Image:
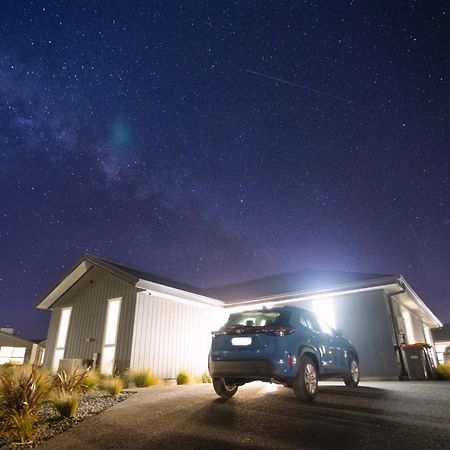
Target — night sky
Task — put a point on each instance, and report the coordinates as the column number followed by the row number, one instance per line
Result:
column 214, row 142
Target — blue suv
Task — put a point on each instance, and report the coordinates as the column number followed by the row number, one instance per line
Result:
column 286, row 345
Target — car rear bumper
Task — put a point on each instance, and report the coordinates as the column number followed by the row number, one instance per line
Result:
column 249, row 369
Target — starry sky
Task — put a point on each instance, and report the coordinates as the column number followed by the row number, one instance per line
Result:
column 215, row 142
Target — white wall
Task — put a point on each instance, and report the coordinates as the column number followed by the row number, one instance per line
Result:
column 172, row 334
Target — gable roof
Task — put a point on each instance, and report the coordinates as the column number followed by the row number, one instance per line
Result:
column 302, row 281
column 7, row 339
column 128, row 274
column 284, row 287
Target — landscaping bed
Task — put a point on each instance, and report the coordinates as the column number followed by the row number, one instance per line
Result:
column 49, row 421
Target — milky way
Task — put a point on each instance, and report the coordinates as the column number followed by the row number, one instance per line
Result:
column 138, row 131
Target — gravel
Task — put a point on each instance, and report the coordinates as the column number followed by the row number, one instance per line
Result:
column 49, row 422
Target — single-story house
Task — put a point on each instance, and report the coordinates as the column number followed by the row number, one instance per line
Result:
column 17, row 350
column 117, row 317
column 441, row 337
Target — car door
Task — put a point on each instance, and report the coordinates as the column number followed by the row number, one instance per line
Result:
column 337, row 347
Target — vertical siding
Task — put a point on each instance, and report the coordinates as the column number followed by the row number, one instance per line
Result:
column 170, row 336
column 363, row 318
column 51, row 338
column 89, row 298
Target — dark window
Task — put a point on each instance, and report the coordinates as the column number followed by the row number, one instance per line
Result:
column 254, row 318
column 312, row 323
column 303, row 321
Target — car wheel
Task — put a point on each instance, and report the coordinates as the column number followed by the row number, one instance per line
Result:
column 305, row 385
column 352, row 379
column 223, row 389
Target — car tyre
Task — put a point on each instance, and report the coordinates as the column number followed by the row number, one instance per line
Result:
column 352, row 379
column 223, row 389
column 305, row 385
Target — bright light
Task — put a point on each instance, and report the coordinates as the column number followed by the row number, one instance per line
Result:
column 410, row 338
column 108, row 360
column 109, row 344
column 324, row 309
column 63, row 327
column 62, row 336
column 13, row 355
column 270, row 387
column 112, row 320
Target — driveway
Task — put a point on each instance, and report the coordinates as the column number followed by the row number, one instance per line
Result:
column 387, row 415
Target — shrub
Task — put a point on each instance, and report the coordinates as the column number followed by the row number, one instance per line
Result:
column 112, row 385
column 206, row 377
column 70, row 383
column 184, row 377
column 65, row 403
column 91, row 380
column 23, row 390
column 443, row 371
column 143, row 378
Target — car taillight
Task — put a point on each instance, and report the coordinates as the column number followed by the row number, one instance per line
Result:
column 278, row 331
column 218, row 333
column 271, row 331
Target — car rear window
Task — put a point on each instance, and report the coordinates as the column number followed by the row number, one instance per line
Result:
column 255, row 318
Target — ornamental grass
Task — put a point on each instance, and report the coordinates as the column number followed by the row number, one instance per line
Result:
column 23, row 390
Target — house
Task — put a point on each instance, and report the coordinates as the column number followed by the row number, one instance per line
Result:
column 117, row 317
column 17, row 350
column 441, row 338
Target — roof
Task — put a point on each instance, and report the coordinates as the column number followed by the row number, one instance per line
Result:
column 281, row 288
column 128, row 274
column 442, row 334
column 302, row 281
column 14, row 340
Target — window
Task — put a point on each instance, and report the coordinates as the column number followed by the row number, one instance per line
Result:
column 109, row 343
column 12, row 355
column 312, row 323
column 253, row 318
column 62, row 337
column 303, row 322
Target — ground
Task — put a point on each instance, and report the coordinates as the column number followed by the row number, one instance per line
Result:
column 388, row 415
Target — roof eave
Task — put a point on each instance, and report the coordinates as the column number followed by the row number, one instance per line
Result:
column 84, row 264
column 432, row 320
column 387, row 283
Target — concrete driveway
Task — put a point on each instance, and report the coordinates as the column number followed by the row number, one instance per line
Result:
column 387, row 415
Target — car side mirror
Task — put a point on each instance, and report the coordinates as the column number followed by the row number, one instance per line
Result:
column 337, row 332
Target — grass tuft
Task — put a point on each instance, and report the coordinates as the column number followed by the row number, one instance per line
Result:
column 65, row 403
column 91, row 380
column 23, row 390
column 184, row 377
column 443, row 371
column 112, row 385
column 206, row 377
column 143, row 378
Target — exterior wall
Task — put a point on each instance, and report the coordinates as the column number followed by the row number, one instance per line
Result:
column 172, row 335
column 418, row 332
column 7, row 340
column 88, row 299
column 364, row 319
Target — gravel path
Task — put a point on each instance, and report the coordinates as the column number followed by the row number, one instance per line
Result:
column 50, row 423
